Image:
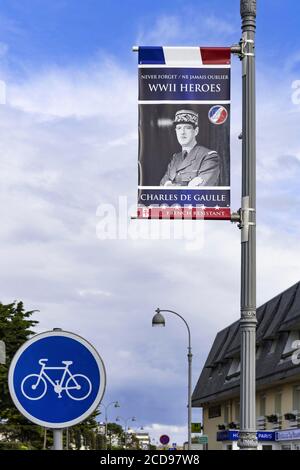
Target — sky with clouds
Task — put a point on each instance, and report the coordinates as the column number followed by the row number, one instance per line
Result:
column 68, row 144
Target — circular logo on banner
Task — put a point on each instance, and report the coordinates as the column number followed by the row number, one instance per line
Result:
column 218, row 114
column 56, row 379
column 164, row 439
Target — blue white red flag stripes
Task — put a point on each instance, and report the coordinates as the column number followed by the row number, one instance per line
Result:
column 184, row 56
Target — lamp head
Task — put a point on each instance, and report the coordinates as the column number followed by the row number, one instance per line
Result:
column 158, row 319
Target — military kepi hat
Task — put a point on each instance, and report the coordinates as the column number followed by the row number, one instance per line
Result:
column 186, row 116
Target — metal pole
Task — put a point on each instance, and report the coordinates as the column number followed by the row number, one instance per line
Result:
column 125, row 434
column 189, row 374
column 116, row 403
column 189, row 396
column 105, row 427
column 248, row 440
column 45, row 439
column 57, row 439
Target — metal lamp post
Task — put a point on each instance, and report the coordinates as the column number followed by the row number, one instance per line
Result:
column 116, row 405
column 158, row 320
column 248, row 439
column 131, row 418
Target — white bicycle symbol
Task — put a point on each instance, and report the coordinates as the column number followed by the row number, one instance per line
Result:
column 77, row 386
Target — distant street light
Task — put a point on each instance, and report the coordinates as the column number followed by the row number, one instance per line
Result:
column 116, row 405
column 159, row 320
column 125, row 421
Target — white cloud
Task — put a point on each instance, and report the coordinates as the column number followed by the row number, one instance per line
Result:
column 188, row 28
column 94, row 90
column 96, row 292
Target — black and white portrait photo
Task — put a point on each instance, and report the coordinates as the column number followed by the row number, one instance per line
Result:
column 180, row 146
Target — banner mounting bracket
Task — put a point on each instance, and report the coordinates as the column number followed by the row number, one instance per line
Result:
column 242, row 218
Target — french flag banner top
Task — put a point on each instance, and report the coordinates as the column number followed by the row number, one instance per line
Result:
column 184, row 133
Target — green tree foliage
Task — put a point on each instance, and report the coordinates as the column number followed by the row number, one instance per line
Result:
column 115, row 430
column 16, row 327
column 85, row 433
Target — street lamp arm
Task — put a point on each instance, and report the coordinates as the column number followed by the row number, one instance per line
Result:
column 158, row 319
column 158, row 310
column 106, row 406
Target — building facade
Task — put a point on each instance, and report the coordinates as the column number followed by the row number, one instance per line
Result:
column 277, row 379
column 143, row 440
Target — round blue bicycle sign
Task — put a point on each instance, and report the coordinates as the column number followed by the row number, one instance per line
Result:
column 56, row 379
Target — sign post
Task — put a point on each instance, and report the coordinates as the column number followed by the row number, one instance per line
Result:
column 57, row 439
column 56, row 380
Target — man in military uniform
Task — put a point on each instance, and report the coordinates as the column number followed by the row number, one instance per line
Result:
column 195, row 165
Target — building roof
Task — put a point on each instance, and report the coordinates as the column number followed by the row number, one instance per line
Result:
column 276, row 319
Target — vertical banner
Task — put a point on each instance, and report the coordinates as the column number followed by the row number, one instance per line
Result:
column 184, row 133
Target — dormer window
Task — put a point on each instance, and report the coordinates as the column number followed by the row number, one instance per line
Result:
column 289, row 347
column 273, row 346
column 235, row 369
